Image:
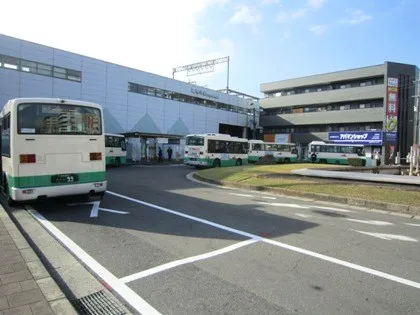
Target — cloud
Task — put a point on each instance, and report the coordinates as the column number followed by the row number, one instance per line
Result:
column 316, row 4
column 290, row 16
column 286, row 35
column 246, row 15
column 318, row 30
column 153, row 36
column 356, row 17
column 269, row 2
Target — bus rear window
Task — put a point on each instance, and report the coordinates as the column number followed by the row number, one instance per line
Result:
column 195, row 141
column 58, row 119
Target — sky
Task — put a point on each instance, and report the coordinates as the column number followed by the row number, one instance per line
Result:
column 266, row 40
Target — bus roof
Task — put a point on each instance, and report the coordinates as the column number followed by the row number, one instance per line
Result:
column 334, row 143
column 16, row 101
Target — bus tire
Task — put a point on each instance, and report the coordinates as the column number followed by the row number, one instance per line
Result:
column 238, row 162
column 286, row 160
column 117, row 162
column 323, row 161
column 216, row 163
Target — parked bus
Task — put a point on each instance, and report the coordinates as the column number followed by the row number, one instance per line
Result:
column 115, row 149
column 50, row 148
column 281, row 152
column 215, row 150
column 334, row 153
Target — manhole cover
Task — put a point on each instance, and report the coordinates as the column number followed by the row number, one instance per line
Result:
column 98, row 303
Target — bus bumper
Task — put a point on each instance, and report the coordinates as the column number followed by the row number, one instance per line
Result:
column 196, row 163
column 22, row 194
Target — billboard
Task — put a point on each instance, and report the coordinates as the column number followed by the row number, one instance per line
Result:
column 391, row 118
column 356, row 137
column 282, row 138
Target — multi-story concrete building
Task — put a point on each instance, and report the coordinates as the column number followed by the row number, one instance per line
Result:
column 139, row 104
column 373, row 106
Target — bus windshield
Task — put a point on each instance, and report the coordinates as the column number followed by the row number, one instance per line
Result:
column 58, row 119
column 195, row 141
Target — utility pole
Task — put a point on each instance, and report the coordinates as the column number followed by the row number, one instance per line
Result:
column 414, row 154
column 254, row 122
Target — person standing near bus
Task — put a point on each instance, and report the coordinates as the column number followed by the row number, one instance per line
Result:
column 169, row 153
column 160, row 154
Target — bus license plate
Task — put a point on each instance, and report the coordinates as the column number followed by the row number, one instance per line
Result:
column 64, row 178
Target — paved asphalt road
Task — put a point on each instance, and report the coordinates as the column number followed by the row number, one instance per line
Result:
column 261, row 254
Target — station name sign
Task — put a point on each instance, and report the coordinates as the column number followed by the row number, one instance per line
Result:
column 204, row 93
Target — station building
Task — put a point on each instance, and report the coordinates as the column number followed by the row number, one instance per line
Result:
column 373, row 106
column 151, row 110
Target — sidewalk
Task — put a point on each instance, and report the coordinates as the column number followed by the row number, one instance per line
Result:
column 25, row 285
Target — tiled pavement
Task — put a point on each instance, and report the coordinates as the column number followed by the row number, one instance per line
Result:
column 25, row 285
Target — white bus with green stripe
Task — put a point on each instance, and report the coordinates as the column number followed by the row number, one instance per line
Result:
column 115, row 149
column 281, row 152
column 215, row 150
column 334, row 153
column 51, row 148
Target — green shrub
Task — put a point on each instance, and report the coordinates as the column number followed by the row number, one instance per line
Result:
column 357, row 162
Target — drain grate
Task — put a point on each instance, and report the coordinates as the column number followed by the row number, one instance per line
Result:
column 98, row 303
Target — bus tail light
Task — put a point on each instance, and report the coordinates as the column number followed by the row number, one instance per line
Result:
column 96, row 156
column 27, row 158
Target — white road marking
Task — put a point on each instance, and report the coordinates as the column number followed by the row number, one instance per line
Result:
column 412, row 224
column 371, row 222
column 95, row 207
column 122, row 289
column 114, row 211
column 303, row 215
column 289, row 205
column 279, row 244
column 267, row 197
column 389, row 237
column 332, row 209
column 241, row 195
column 184, row 261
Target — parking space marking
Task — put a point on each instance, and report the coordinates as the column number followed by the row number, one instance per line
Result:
column 278, row 244
column 287, row 205
column 184, row 261
column 371, row 222
column 240, row 195
column 122, row 289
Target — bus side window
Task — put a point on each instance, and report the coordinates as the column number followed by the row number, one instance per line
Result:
column 211, row 146
column 122, row 144
column 5, row 136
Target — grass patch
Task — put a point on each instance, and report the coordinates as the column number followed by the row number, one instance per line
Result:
column 246, row 174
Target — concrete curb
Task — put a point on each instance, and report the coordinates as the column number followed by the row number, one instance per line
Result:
column 410, row 211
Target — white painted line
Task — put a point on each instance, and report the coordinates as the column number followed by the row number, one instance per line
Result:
column 94, row 204
column 412, row 224
column 332, row 209
column 279, row 244
column 303, row 215
column 241, row 195
column 389, row 237
column 371, row 222
column 122, row 289
column 184, row 261
column 287, row 205
column 267, row 197
column 345, row 264
column 190, row 217
column 114, row 211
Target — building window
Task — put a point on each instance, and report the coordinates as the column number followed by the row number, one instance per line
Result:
column 161, row 93
column 34, row 67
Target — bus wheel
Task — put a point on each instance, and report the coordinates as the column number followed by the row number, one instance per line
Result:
column 323, row 161
column 238, row 162
column 117, row 162
column 287, row 160
column 216, row 163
